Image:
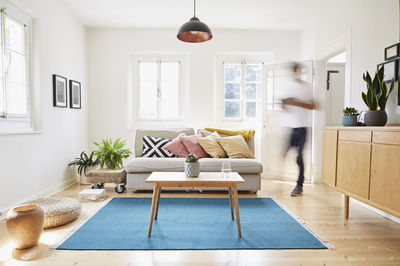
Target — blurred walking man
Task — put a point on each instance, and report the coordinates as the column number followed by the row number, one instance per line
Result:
column 298, row 102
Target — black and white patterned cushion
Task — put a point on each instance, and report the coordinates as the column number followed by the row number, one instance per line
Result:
column 153, row 147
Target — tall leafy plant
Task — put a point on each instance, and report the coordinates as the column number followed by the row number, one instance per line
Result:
column 110, row 153
column 377, row 90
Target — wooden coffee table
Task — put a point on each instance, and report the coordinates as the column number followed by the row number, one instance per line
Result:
column 206, row 179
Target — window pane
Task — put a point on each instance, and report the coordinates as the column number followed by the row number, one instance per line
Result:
column 170, row 90
column 148, row 71
column 169, row 110
column 169, row 71
column 15, row 36
column 232, row 72
column 253, row 72
column 1, row 97
column 16, row 69
column 251, row 109
column 148, row 109
column 253, row 91
column 232, row 109
column 148, row 90
column 16, row 98
column 232, row 90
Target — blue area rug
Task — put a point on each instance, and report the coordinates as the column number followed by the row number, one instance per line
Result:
column 191, row 223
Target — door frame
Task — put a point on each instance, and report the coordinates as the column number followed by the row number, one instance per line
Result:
column 340, row 44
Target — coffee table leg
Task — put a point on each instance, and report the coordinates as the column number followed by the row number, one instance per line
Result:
column 153, row 206
column 158, row 202
column 231, row 203
column 235, row 197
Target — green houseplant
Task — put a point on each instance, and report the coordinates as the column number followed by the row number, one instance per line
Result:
column 350, row 116
column 85, row 163
column 192, row 166
column 110, row 153
column 376, row 98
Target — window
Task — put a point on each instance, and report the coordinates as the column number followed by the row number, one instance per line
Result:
column 242, row 90
column 13, row 69
column 159, row 90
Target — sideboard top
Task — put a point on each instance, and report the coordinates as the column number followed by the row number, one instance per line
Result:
column 358, row 128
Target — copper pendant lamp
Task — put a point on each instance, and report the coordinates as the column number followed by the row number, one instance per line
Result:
column 194, row 30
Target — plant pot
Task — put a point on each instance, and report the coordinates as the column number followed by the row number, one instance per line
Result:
column 375, row 118
column 349, row 120
column 192, row 169
column 82, row 177
column 25, row 225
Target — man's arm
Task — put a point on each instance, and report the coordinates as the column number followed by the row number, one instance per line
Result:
column 299, row 103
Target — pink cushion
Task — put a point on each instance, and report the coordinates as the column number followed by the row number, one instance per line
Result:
column 176, row 146
column 193, row 146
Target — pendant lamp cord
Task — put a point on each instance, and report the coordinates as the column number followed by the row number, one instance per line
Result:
column 194, row 8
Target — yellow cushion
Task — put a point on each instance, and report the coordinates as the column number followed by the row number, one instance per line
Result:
column 235, row 147
column 211, row 146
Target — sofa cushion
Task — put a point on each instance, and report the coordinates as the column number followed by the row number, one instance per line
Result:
column 154, row 147
column 235, row 147
column 249, row 143
column 159, row 133
column 193, row 146
column 240, row 165
column 211, row 146
column 176, row 146
column 145, row 165
column 148, row 165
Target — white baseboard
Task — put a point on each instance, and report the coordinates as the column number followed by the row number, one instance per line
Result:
column 42, row 194
column 382, row 213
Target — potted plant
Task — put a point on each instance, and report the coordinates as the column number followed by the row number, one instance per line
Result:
column 110, row 153
column 376, row 97
column 85, row 163
column 192, row 166
column 350, row 116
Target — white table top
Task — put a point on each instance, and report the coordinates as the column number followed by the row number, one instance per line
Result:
column 212, row 177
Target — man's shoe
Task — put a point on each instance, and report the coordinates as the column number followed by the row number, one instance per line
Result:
column 297, row 191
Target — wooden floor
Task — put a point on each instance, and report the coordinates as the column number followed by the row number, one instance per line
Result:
column 366, row 239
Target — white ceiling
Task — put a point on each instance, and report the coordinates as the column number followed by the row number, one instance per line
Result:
column 225, row 14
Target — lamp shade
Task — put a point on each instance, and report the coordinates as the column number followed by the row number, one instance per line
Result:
column 194, row 31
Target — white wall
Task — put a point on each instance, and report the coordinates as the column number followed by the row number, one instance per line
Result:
column 34, row 165
column 109, row 52
column 373, row 25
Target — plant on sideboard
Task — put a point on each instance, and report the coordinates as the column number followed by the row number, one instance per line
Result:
column 192, row 166
column 350, row 115
column 376, row 98
column 85, row 163
column 111, row 153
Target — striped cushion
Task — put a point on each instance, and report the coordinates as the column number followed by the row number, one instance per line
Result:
column 153, row 147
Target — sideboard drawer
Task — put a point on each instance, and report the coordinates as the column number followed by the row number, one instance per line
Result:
column 355, row 135
column 386, row 137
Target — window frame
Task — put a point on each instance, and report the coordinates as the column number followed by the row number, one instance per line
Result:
column 10, row 122
column 159, row 59
column 243, row 99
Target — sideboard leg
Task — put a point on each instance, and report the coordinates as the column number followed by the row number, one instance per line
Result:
column 346, row 207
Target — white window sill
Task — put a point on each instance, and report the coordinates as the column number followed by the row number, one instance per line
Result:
column 28, row 132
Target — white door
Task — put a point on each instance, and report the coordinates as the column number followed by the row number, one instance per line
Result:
column 275, row 131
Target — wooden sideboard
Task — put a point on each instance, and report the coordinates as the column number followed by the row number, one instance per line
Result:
column 364, row 163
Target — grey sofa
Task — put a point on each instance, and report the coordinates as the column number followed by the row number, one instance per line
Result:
column 139, row 168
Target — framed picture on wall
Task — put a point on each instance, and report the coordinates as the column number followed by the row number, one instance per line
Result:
column 75, row 94
column 391, row 70
column 59, row 91
column 392, row 51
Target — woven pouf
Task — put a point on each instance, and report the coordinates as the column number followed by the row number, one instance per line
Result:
column 58, row 211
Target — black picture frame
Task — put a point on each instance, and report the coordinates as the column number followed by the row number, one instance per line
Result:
column 391, row 70
column 60, row 95
column 392, row 51
column 74, row 94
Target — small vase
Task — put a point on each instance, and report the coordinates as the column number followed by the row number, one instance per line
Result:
column 192, row 169
column 82, row 177
column 25, row 225
column 349, row 120
column 375, row 118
